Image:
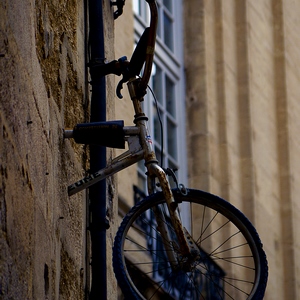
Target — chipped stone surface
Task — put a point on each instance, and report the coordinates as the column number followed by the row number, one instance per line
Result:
column 42, row 90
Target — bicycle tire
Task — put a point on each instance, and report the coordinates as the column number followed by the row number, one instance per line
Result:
column 232, row 264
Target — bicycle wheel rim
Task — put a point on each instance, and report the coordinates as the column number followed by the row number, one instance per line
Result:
column 224, row 210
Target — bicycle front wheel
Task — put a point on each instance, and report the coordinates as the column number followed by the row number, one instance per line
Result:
column 231, row 264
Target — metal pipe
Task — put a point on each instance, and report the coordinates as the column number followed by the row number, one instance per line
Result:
column 97, row 193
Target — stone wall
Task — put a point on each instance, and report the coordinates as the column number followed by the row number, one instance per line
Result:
column 43, row 89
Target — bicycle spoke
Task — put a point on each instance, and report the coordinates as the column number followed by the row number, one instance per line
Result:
column 200, row 240
column 224, row 242
column 160, row 284
column 226, row 266
column 141, row 248
column 231, row 248
column 215, row 231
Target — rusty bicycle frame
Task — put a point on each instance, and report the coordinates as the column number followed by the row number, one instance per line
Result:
column 140, row 148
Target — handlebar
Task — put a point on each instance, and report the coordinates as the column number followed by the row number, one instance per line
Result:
column 143, row 54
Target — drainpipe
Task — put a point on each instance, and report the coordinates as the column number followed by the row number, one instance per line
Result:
column 97, row 193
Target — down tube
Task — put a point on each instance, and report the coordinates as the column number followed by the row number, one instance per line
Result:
column 105, row 172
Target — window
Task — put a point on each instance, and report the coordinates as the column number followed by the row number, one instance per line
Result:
column 167, row 83
column 169, row 19
column 164, row 88
column 140, row 9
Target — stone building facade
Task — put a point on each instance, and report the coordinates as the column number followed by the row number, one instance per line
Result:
column 241, row 97
column 241, row 103
column 44, row 242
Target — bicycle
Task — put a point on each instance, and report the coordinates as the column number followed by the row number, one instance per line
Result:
column 217, row 254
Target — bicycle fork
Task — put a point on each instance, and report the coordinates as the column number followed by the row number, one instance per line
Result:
column 187, row 247
column 187, row 250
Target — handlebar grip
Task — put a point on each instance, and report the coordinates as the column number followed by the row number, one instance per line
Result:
column 138, row 57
